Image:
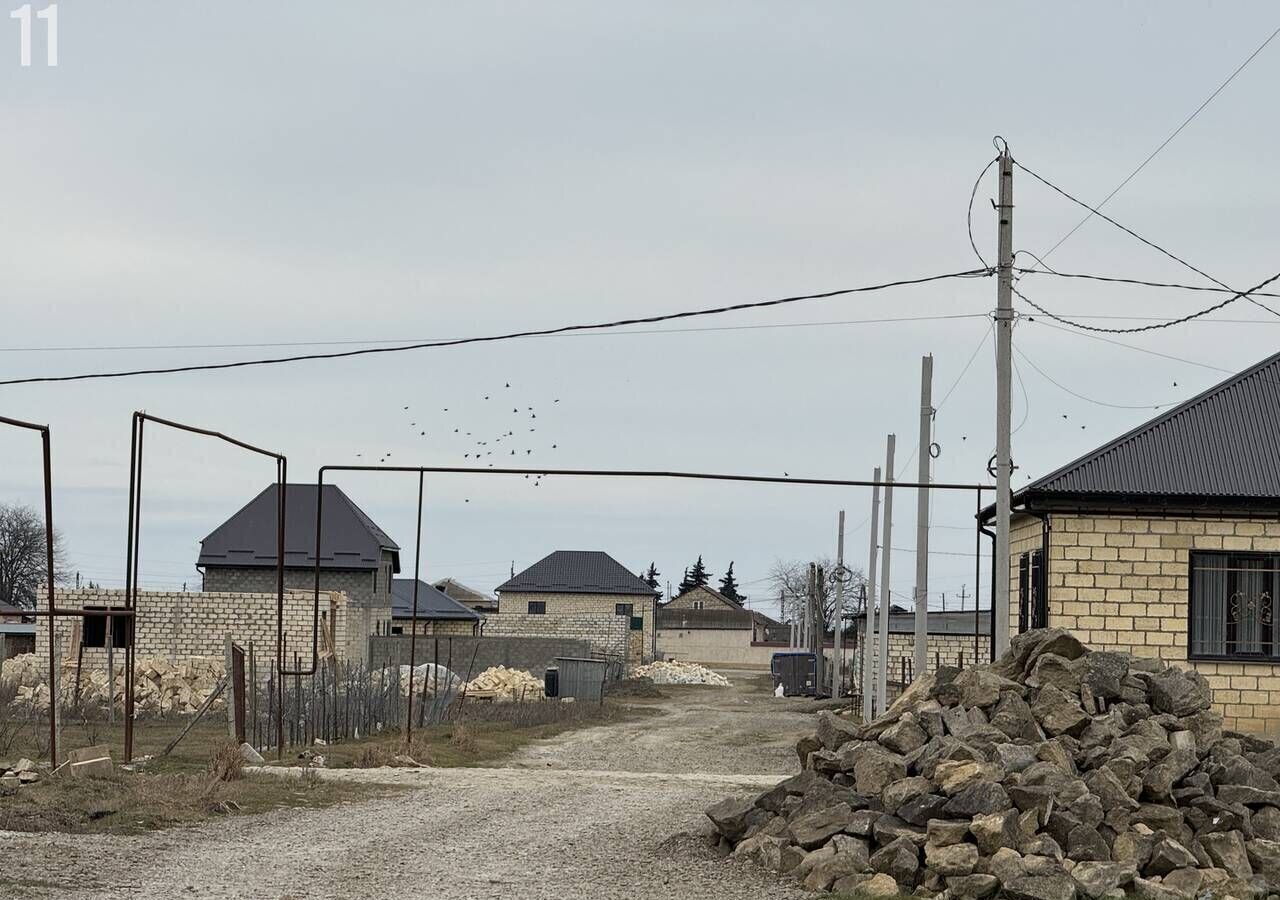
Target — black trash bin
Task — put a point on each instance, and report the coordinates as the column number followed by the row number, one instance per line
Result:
column 551, row 682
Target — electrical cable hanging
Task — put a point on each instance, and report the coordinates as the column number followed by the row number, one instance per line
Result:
column 1135, row 235
column 1062, row 387
column 1153, row 327
column 1115, row 279
column 564, row 329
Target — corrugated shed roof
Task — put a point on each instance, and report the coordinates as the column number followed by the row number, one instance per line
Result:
column 725, row 618
column 432, row 602
column 349, row 538
column 959, row 622
column 1224, row 442
column 578, row 572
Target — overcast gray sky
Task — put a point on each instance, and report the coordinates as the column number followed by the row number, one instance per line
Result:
column 238, row 173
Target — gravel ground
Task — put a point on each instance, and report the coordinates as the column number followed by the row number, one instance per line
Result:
column 609, row 812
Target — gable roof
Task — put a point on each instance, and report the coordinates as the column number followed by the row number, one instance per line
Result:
column 432, row 602
column 578, row 572
column 349, row 538
column 715, row 595
column 1223, row 444
column 736, row 619
column 461, row 592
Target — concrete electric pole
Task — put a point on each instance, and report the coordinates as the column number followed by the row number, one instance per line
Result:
column 869, row 634
column 837, row 642
column 882, row 667
column 920, row 660
column 1004, row 388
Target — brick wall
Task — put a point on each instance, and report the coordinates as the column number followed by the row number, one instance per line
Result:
column 532, row 654
column 949, row 649
column 604, row 633
column 177, row 624
column 1122, row 583
column 455, row 627
column 593, row 612
column 369, row 609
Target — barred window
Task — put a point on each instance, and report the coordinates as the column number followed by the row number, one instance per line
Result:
column 1233, row 606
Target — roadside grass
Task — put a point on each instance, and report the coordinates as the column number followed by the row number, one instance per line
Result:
column 134, row 802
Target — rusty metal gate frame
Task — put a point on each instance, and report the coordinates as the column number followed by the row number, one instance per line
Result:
column 131, row 562
column 53, row 612
column 978, row 490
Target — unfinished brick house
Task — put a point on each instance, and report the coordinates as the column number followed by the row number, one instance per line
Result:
column 1165, row 542
column 357, row 557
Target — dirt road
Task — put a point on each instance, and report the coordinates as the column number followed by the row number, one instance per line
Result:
column 589, row 814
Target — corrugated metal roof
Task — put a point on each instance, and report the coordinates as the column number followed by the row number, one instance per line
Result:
column 1223, row 443
column 432, row 602
column 726, row 618
column 950, row 622
column 349, row 538
column 578, row 572
column 463, row 593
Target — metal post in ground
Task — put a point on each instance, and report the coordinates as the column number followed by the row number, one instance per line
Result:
column 882, row 677
column 921, row 594
column 837, row 645
column 869, row 652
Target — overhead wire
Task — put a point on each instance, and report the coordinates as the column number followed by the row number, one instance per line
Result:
column 541, row 332
column 1062, row 387
column 1115, row 279
column 1168, row 140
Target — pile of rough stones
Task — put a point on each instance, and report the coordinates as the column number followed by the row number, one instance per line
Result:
column 1054, row 773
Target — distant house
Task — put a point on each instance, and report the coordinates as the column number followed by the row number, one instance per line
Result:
column 717, row 632
column 468, row 596
column 356, row 556
column 438, row 613
column 581, row 587
column 17, row 634
column 1165, row 543
column 702, row 597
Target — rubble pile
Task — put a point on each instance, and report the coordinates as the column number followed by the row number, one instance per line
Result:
column 21, row 773
column 160, row 686
column 506, row 684
column 1054, row 773
column 428, row 679
column 671, row 671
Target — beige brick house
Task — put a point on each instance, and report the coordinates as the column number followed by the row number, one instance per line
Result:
column 587, row 587
column 1166, row 543
column 702, row 597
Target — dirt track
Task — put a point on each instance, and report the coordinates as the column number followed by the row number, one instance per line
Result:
column 590, row 814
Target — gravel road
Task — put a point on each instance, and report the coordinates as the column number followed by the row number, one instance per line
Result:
column 608, row 812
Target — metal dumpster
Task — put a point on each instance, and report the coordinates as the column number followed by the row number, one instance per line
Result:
column 582, row 679
column 796, row 672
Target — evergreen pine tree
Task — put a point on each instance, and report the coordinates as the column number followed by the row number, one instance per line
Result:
column 686, row 584
column 729, row 586
column 698, row 575
column 651, row 577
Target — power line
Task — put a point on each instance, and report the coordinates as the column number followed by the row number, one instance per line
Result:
column 973, row 195
column 1152, row 327
column 1134, row 347
column 400, row 341
column 1079, row 396
column 563, row 329
column 1168, row 140
column 1115, row 279
column 1134, row 234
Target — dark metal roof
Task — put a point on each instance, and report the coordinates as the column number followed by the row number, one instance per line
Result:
column 8, row 609
column 725, row 618
column 464, row 593
column 432, row 602
column 1221, row 445
column 578, row 572
column 349, row 538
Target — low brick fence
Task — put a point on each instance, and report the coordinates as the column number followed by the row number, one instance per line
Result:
column 533, row 654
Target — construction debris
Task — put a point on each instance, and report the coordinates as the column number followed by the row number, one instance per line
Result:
column 675, row 672
column 503, row 684
column 428, row 678
column 1054, row 773
column 160, row 686
column 23, row 772
column 89, row 761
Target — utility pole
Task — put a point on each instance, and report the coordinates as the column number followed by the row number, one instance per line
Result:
column 837, row 643
column 962, row 587
column 1004, row 388
column 886, row 544
column 920, row 661
column 869, row 634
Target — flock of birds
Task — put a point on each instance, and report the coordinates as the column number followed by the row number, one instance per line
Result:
column 513, row 446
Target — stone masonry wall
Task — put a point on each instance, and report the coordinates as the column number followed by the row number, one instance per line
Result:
column 178, row 624
column 580, row 610
column 452, row 627
column 1122, row 583
column 949, row 649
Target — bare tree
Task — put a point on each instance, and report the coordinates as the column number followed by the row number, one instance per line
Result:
column 789, row 579
column 23, row 565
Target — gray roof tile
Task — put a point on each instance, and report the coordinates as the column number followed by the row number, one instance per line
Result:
column 578, row 572
column 432, row 602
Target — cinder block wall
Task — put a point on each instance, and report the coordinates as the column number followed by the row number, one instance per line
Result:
column 442, row 627
column 604, row 633
column 533, row 654
column 949, row 649
column 573, row 608
column 179, row 624
column 1124, row 584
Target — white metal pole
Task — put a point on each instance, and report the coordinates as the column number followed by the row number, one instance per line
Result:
column 920, row 660
column 1004, row 387
column 869, row 634
column 837, row 644
column 882, row 664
